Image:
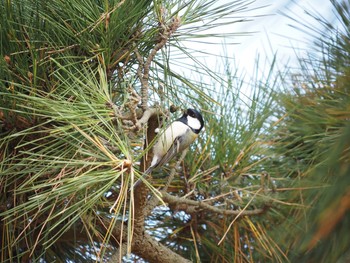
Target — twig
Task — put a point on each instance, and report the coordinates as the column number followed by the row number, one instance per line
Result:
column 200, row 205
column 240, row 213
column 140, row 67
column 102, row 17
column 144, row 66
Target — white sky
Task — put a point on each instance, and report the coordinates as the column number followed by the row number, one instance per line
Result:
column 271, row 32
column 275, row 33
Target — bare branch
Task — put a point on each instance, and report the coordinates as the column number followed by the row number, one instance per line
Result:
column 147, row 247
column 141, row 63
column 151, row 250
column 147, row 115
column 144, row 67
column 191, row 206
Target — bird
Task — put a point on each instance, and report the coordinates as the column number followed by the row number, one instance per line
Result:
column 174, row 139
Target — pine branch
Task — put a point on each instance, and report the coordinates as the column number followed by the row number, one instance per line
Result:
column 192, row 206
column 144, row 66
column 148, row 248
column 153, row 251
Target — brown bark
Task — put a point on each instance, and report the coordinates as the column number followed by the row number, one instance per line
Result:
column 151, row 250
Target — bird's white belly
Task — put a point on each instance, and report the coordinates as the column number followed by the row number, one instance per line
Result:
column 167, row 138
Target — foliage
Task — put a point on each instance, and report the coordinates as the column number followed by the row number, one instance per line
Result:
column 72, row 76
column 313, row 142
column 266, row 181
column 226, row 171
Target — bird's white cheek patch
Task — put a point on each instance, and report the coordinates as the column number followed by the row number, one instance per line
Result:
column 193, row 123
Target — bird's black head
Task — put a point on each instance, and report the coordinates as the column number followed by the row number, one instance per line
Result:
column 193, row 119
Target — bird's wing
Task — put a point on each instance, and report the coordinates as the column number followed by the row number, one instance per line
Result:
column 173, row 150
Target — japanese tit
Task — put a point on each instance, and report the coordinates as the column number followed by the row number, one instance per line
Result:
column 175, row 138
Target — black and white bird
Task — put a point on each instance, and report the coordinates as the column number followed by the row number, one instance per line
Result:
column 175, row 138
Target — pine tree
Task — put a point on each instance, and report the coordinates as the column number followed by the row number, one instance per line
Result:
column 84, row 85
column 81, row 82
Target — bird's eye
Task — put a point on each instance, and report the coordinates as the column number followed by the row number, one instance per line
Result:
column 191, row 113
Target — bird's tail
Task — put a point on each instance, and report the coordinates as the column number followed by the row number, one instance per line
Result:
column 139, row 181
